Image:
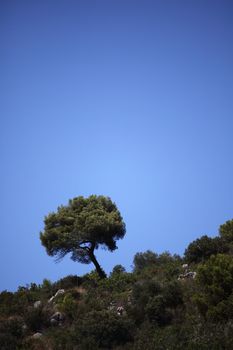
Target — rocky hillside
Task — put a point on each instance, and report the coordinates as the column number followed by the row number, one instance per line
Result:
column 166, row 302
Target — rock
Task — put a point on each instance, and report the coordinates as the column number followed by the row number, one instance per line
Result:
column 120, row 310
column 53, row 322
column 185, row 266
column 57, row 318
column 187, row 275
column 51, row 299
column 37, row 335
column 112, row 306
column 191, row 274
column 24, row 327
column 37, row 304
column 59, row 292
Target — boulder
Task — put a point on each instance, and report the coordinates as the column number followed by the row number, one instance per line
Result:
column 24, row 327
column 185, row 266
column 58, row 316
column 191, row 274
column 53, row 322
column 120, row 310
column 37, row 335
column 37, row 304
column 57, row 319
column 59, row 292
column 187, row 275
column 51, row 299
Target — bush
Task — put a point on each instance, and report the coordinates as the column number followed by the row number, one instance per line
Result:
column 36, row 319
column 202, row 248
column 118, row 269
column 68, row 305
column 68, row 282
column 215, row 280
column 11, row 333
column 156, row 311
column 103, row 328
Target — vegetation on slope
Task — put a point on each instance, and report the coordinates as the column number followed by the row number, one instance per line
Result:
column 166, row 302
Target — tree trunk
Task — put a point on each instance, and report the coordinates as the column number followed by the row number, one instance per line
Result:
column 99, row 269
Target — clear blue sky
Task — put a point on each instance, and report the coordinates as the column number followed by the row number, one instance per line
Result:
column 125, row 98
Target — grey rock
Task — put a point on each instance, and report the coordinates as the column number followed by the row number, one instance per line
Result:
column 187, row 275
column 53, row 322
column 37, row 335
column 59, row 292
column 37, row 304
column 24, row 327
column 185, row 266
column 51, row 299
column 120, row 310
column 58, row 317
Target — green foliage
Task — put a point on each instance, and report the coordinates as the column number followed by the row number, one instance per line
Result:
column 142, row 292
column 68, row 282
column 155, row 301
column 164, row 266
column 226, row 231
column 105, row 329
column 11, row 333
column 157, row 312
column 6, row 303
column 118, row 269
column 118, row 282
column 15, row 303
column 149, row 308
column 81, row 227
column 47, row 285
column 36, row 319
column 61, row 338
column 34, row 344
column 68, row 305
column 215, row 278
column 202, row 248
column 173, row 294
column 144, row 260
column 197, row 336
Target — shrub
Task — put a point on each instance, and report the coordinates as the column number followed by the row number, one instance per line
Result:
column 103, row 328
column 68, row 282
column 215, row 280
column 36, row 319
column 11, row 333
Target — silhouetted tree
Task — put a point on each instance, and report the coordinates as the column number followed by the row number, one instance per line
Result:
column 81, row 227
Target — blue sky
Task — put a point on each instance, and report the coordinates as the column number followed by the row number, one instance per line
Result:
column 129, row 99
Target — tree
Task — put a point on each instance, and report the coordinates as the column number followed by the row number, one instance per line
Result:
column 81, row 227
column 202, row 248
column 215, row 296
column 144, row 260
column 226, row 231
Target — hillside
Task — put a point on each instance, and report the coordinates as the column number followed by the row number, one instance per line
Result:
column 166, row 302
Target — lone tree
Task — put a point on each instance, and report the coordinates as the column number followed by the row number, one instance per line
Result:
column 82, row 226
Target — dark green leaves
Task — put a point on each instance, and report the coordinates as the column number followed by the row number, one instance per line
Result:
column 81, row 227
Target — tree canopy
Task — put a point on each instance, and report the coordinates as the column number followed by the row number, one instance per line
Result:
column 215, row 279
column 202, row 248
column 81, row 227
column 226, row 231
